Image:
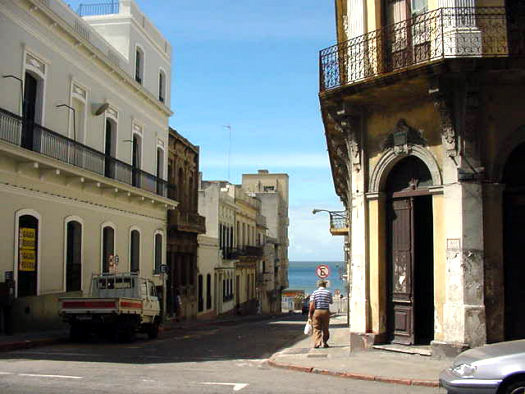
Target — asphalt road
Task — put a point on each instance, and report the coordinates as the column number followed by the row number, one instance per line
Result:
column 214, row 359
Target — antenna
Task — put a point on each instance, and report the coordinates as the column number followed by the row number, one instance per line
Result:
column 229, row 127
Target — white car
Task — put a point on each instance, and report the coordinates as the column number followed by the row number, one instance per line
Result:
column 498, row 368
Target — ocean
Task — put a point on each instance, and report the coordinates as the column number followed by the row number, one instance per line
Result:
column 302, row 276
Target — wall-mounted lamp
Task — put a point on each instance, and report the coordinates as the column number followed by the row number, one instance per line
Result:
column 101, row 109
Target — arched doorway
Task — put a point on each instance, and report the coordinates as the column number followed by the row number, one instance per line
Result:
column 410, row 268
column 513, row 241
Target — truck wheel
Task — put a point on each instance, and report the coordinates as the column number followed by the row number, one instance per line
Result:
column 153, row 330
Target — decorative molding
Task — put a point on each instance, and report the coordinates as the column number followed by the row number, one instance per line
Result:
column 390, row 158
column 402, row 138
column 448, row 130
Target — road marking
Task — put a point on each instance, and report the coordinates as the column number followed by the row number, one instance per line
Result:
column 6, row 373
column 236, row 386
column 49, row 376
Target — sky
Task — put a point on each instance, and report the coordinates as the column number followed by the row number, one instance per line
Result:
column 253, row 65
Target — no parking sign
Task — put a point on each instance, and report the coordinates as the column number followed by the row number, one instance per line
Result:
column 322, row 271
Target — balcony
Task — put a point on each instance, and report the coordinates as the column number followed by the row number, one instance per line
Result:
column 36, row 138
column 251, row 251
column 189, row 222
column 434, row 36
column 338, row 223
column 107, row 8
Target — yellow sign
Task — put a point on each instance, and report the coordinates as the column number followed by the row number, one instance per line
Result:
column 27, row 249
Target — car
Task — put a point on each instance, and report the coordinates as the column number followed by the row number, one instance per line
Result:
column 496, row 368
column 306, row 305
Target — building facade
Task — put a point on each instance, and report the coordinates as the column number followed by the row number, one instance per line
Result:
column 184, row 226
column 218, row 207
column 273, row 192
column 426, row 151
column 83, row 151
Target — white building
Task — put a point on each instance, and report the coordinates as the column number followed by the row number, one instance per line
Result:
column 83, row 146
column 218, row 207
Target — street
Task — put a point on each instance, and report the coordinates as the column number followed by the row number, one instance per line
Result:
column 211, row 359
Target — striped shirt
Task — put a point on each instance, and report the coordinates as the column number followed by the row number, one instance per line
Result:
column 322, row 298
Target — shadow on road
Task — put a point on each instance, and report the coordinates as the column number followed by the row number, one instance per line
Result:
column 245, row 340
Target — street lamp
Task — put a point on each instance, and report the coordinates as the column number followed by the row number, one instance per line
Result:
column 21, row 90
column 74, row 119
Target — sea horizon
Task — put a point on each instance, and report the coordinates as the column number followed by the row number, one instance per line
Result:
column 302, row 275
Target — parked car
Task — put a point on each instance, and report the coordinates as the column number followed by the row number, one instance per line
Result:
column 306, row 305
column 497, row 368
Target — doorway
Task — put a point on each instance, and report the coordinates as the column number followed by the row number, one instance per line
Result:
column 29, row 110
column 410, row 251
column 27, row 256
column 513, row 241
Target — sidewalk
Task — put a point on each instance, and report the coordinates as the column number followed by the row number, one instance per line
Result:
column 378, row 365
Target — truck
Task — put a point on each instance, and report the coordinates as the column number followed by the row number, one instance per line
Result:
column 119, row 305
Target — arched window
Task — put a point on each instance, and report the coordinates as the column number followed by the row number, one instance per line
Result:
column 158, row 253
column 139, row 65
column 108, row 247
column 134, row 251
column 73, row 256
column 28, row 246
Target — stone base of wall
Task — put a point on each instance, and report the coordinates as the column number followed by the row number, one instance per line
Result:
column 361, row 341
column 447, row 350
column 37, row 313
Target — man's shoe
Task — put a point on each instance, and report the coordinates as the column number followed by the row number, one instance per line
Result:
column 326, row 345
column 316, row 347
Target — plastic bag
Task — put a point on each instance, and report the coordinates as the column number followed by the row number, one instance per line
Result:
column 308, row 328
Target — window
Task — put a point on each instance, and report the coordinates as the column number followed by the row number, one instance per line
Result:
column 73, row 256
column 158, row 253
column 108, row 247
column 135, row 251
column 208, row 291
column 160, row 170
column 136, row 160
column 139, row 65
column 28, row 246
column 162, row 86
column 269, row 188
column 200, row 296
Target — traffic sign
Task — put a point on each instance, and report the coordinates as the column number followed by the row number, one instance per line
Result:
column 322, row 271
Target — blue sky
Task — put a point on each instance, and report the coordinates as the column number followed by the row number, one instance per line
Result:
column 254, row 65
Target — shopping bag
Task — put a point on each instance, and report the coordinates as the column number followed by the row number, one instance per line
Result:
column 308, row 328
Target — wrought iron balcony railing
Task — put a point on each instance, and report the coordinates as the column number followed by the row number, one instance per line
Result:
column 29, row 135
column 465, row 32
column 107, row 8
column 186, row 221
column 338, row 223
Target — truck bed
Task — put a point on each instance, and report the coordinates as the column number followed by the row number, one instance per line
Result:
column 83, row 305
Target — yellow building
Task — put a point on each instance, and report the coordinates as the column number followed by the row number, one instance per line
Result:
column 422, row 106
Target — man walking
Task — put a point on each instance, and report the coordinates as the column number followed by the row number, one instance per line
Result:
column 320, row 301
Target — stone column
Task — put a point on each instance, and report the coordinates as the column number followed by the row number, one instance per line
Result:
column 464, row 310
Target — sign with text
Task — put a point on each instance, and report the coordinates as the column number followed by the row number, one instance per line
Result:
column 27, row 248
column 322, row 271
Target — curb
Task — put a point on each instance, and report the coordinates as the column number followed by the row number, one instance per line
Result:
column 30, row 343
column 358, row 376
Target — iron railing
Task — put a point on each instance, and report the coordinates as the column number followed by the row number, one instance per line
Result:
column 32, row 136
column 107, row 8
column 438, row 34
column 338, row 223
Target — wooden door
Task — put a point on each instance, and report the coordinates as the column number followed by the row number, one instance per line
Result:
column 401, row 271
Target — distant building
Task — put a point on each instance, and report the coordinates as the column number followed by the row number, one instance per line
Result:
column 184, row 226
column 83, row 150
column 272, row 192
column 218, row 207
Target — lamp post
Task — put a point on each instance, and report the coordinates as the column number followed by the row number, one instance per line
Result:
column 74, row 119
column 335, row 217
column 21, row 90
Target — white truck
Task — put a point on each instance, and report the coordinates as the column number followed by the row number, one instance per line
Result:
column 119, row 306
